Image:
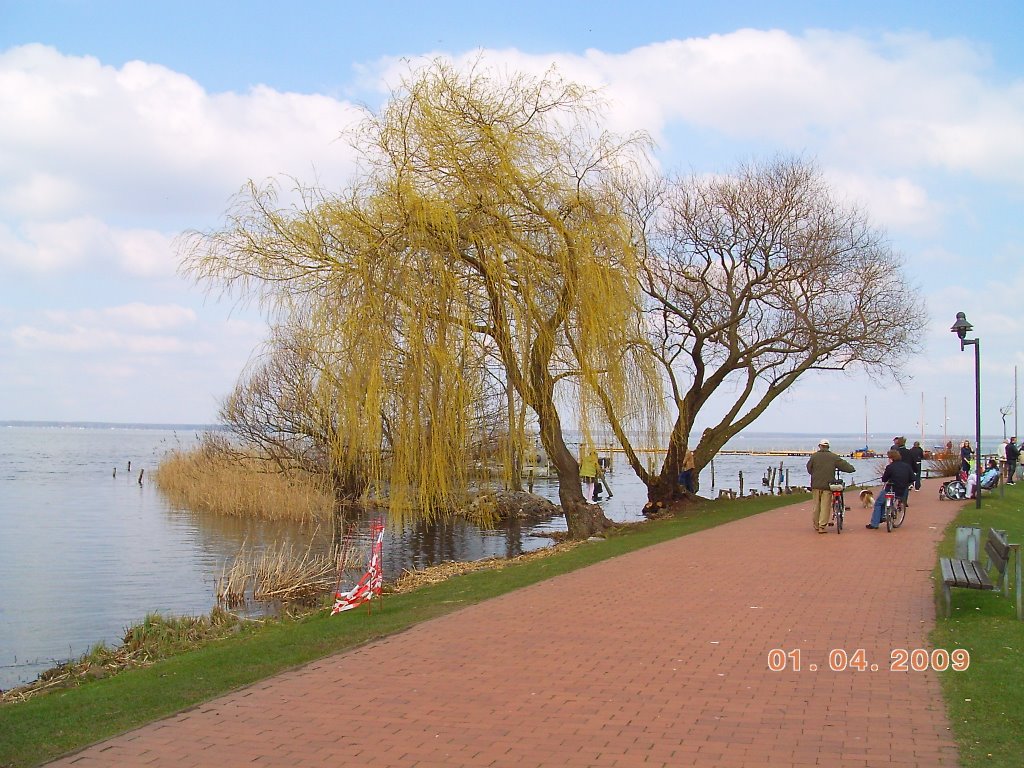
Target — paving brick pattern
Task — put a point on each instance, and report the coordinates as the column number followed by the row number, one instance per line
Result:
column 657, row 658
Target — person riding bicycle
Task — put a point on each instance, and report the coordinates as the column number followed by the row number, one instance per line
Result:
column 900, row 475
column 822, row 468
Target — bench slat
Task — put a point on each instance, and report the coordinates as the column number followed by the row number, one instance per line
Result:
column 946, row 564
column 966, row 574
column 996, row 546
column 998, row 551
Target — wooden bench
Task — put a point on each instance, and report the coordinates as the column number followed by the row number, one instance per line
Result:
column 971, row 574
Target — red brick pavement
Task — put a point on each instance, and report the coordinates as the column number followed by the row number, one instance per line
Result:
column 655, row 658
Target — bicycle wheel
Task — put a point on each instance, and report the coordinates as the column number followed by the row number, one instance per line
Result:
column 899, row 513
column 837, row 514
column 888, row 515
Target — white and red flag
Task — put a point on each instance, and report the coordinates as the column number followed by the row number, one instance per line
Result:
column 370, row 584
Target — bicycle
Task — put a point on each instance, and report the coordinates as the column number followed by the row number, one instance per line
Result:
column 838, row 502
column 895, row 511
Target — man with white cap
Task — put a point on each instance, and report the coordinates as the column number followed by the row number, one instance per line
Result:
column 822, row 468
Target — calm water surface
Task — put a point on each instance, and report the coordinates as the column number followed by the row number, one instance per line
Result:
column 84, row 554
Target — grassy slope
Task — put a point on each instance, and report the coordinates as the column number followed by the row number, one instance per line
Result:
column 986, row 702
column 51, row 725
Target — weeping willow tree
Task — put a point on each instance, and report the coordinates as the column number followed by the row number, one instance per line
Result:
column 485, row 229
column 753, row 280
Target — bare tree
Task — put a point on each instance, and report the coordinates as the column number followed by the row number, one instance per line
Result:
column 281, row 409
column 753, row 280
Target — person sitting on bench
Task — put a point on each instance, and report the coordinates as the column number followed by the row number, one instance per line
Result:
column 988, row 479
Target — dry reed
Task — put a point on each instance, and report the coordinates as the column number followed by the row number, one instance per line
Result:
column 944, row 465
column 208, row 480
column 281, row 573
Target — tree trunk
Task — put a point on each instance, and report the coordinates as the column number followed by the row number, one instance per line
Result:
column 665, row 488
column 514, row 429
column 581, row 518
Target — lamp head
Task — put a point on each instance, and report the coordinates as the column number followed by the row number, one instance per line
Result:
column 961, row 327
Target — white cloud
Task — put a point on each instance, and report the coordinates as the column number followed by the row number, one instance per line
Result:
column 134, row 328
column 79, row 137
column 87, row 243
column 150, row 318
column 899, row 101
column 79, row 338
column 896, row 203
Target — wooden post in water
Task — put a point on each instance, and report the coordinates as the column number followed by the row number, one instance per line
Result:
column 529, row 481
column 712, row 473
column 741, row 482
column 129, row 466
column 140, row 476
column 115, row 471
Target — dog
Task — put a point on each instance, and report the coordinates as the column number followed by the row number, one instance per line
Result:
column 867, row 498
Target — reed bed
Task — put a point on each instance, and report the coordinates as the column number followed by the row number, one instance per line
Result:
column 282, row 573
column 209, row 480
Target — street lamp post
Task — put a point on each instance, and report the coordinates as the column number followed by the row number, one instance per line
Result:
column 961, row 328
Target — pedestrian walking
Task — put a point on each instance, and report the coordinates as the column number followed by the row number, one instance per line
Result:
column 822, row 468
column 916, row 460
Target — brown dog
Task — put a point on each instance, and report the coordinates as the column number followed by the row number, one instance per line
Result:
column 867, row 498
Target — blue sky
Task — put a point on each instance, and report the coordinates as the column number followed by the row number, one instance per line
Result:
column 124, row 124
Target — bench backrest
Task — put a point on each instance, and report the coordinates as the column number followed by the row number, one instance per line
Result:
column 998, row 551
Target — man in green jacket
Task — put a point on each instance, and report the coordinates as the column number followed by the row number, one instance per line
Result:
column 822, row 468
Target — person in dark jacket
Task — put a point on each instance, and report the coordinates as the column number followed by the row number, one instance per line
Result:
column 1012, row 451
column 966, row 454
column 900, row 475
column 916, row 459
column 900, row 444
column 822, row 468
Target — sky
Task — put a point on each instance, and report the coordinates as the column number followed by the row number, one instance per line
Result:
column 125, row 124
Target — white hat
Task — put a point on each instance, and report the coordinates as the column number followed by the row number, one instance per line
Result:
column 823, row 442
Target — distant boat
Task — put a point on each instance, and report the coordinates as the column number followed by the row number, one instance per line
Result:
column 865, row 452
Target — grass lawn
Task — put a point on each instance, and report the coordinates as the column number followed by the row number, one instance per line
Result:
column 986, row 702
column 43, row 728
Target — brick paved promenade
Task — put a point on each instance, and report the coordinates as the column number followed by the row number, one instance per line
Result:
column 657, row 658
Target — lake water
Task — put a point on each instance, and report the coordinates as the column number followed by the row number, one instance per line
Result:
column 86, row 552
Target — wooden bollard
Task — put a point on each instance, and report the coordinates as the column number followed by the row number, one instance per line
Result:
column 741, row 482
column 140, row 476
